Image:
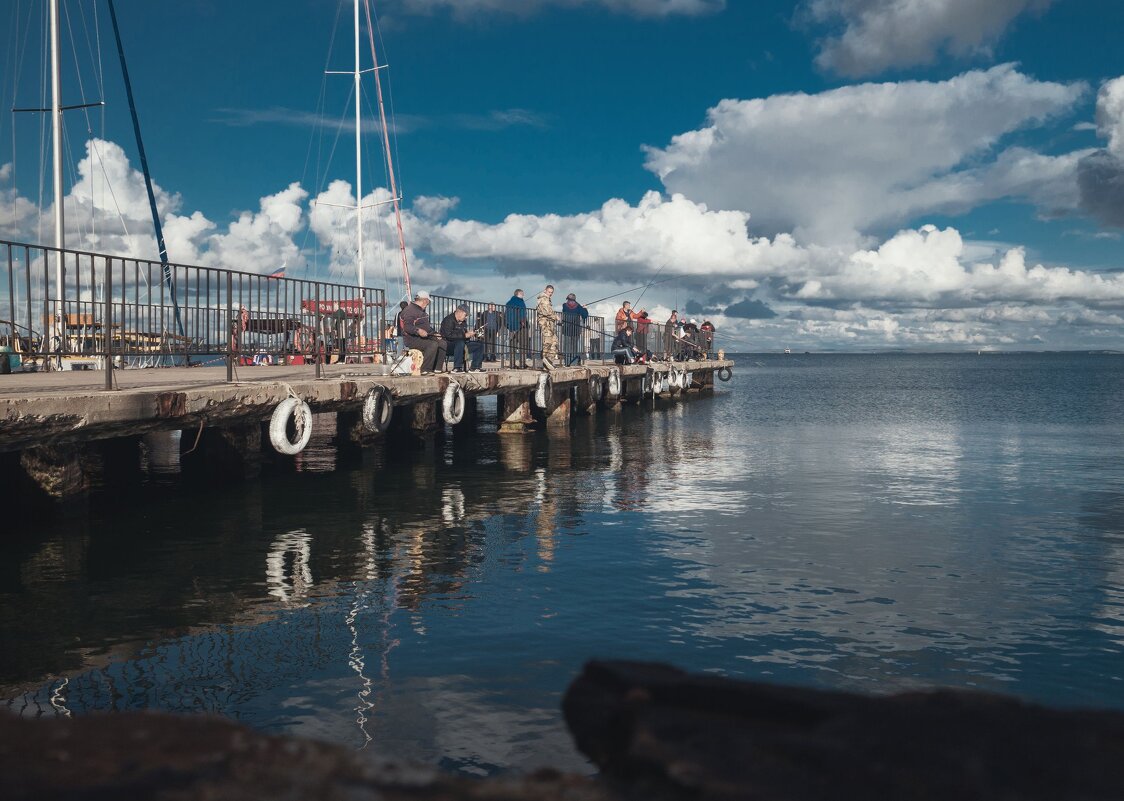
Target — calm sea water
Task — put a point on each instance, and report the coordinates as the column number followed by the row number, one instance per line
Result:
column 870, row 523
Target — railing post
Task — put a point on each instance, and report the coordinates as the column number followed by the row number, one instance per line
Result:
column 319, row 349
column 107, row 325
column 229, row 327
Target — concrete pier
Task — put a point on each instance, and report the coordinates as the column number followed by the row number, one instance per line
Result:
column 59, row 424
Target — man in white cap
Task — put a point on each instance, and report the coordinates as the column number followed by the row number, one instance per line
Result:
column 419, row 333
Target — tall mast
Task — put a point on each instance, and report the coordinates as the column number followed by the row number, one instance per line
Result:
column 389, row 159
column 358, row 155
column 56, row 155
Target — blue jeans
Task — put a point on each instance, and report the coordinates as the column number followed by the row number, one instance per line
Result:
column 475, row 353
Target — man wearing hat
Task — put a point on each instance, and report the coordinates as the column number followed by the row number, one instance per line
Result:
column 418, row 331
column 454, row 328
column 574, row 316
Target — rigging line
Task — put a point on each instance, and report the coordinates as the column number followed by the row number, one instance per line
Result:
column 77, row 71
column 339, row 130
column 390, row 91
column 379, row 220
column 317, row 135
column 94, row 58
column 389, row 157
column 320, row 102
column 313, row 134
column 113, row 195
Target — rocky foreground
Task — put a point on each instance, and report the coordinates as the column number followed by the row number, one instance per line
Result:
column 656, row 733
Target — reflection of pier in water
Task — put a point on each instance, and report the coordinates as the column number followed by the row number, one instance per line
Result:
column 231, row 593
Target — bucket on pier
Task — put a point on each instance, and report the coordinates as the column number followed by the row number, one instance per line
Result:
column 9, row 360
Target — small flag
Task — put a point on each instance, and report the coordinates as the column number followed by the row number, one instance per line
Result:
column 278, row 273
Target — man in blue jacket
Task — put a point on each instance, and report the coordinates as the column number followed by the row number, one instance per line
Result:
column 517, row 325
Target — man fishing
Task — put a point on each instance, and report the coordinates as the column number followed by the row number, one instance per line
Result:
column 548, row 321
column 574, row 317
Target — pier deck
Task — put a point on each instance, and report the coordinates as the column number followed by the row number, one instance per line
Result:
column 69, row 406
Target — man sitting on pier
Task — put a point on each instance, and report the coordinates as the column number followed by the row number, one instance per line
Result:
column 454, row 329
column 419, row 333
column 624, row 352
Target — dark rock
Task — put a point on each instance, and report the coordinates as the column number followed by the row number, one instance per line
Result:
column 156, row 757
column 665, row 734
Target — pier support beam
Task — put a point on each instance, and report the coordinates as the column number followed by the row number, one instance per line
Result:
column 468, row 423
column 514, row 413
column 423, row 417
column 558, row 415
column 583, row 403
column 351, row 433
column 114, row 462
column 57, row 470
column 632, row 389
column 224, row 454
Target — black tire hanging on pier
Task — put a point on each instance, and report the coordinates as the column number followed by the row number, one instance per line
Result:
column 378, row 409
column 724, row 373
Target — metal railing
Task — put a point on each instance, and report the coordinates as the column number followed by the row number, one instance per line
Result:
column 513, row 337
column 130, row 312
column 109, row 310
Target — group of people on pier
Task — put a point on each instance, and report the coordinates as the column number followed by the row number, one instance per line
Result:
column 497, row 330
column 682, row 339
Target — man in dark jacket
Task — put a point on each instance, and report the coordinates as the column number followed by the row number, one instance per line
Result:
column 454, row 330
column 706, row 336
column 574, row 316
column 419, row 333
column 518, row 326
column 624, row 351
column 491, row 323
column 671, row 336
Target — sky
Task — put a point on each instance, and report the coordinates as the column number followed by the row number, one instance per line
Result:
column 809, row 174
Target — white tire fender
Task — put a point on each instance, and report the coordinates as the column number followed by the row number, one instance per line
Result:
column 615, row 382
column 544, row 391
column 279, row 426
column 378, row 408
column 452, row 405
column 596, row 388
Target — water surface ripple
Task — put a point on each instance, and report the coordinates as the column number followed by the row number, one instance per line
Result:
column 871, row 523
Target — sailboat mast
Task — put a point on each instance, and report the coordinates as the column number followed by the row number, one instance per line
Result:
column 56, row 155
column 358, row 156
column 389, row 159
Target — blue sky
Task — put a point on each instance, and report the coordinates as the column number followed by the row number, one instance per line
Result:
column 847, row 127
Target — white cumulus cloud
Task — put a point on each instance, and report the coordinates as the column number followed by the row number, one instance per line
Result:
column 832, row 165
column 878, row 35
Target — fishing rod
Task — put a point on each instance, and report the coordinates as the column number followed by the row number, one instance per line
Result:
column 626, row 291
column 649, row 286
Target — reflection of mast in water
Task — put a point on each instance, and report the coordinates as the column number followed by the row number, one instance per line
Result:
column 298, row 544
column 356, row 659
